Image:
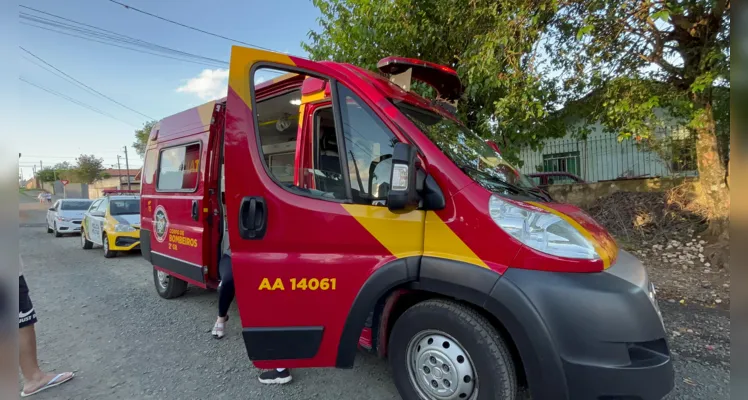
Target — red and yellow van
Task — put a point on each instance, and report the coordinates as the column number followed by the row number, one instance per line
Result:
column 369, row 217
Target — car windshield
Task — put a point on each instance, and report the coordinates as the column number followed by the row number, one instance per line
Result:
column 124, row 207
column 75, row 205
column 468, row 151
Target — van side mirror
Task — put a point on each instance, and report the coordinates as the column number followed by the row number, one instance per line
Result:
column 51, row 209
column 403, row 194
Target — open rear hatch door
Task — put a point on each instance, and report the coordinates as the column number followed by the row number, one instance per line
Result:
column 443, row 79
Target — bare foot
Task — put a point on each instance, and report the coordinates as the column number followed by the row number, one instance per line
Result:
column 45, row 381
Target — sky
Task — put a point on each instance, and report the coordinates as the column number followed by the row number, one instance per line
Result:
column 51, row 129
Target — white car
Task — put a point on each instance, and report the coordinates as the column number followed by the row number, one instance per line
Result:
column 65, row 216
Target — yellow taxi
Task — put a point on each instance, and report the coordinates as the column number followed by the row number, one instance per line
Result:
column 112, row 222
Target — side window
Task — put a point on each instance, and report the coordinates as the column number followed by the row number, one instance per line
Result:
column 369, row 145
column 94, row 205
column 282, row 101
column 353, row 148
column 178, row 168
column 102, row 205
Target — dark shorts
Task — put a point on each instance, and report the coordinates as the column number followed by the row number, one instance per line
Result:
column 26, row 313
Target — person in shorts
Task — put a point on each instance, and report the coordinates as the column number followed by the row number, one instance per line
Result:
column 34, row 379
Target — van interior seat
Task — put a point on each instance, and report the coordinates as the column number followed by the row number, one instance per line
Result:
column 329, row 164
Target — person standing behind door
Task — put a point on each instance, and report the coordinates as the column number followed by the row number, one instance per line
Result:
column 226, row 292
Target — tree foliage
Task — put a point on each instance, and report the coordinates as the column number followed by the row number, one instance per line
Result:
column 90, row 168
column 491, row 44
column 141, row 137
column 633, row 57
column 62, row 170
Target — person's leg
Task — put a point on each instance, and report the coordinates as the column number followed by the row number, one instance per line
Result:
column 226, row 290
column 278, row 376
column 226, row 293
column 33, row 377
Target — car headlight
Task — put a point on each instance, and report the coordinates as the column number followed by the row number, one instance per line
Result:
column 63, row 219
column 540, row 229
column 123, row 228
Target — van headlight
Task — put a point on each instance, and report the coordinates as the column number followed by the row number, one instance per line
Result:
column 123, row 228
column 540, row 229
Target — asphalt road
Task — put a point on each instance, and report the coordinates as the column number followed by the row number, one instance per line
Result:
column 103, row 319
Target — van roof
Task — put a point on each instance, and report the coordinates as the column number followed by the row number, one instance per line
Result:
column 124, row 197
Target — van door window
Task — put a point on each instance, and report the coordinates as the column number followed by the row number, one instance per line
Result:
column 369, row 145
column 178, row 168
column 281, row 103
column 364, row 156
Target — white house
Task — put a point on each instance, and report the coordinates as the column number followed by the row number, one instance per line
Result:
column 601, row 156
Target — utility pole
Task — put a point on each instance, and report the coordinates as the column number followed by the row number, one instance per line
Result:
column 119, row 172
column 41, row 167
column 127, row 166
column 36, row 181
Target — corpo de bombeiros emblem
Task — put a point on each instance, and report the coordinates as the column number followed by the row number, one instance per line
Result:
column 160, row 223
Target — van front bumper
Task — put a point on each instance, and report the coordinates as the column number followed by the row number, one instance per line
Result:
column 587, row 336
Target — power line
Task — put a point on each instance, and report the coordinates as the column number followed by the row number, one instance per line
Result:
column 110, row 38
column 72, row 100
column 188, row 26
column 105, row 36
column 84, row 85
column 94, row 31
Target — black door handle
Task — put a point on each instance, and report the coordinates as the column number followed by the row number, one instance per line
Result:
column 194, row 210
column 252, row 218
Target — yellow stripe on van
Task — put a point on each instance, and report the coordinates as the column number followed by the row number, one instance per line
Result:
column 309, row 98
column 605, row 255
column 442, row 242
column 242, row 59
column 401, row 234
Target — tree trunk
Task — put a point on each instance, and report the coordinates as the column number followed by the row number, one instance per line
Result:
column 715, row 194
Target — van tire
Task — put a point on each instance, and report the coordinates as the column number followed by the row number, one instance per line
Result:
column 172, row 288
column 487, row 352
column 105, row 244
column 57, row 233
column 85, row 243
column 49, row 230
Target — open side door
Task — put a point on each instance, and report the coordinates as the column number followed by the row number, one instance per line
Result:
column 301, row 253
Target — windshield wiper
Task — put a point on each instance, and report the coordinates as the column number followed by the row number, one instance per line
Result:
column 514, row 188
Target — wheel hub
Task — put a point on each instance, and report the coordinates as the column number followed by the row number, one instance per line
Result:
column 440, row 368
column 163, row 278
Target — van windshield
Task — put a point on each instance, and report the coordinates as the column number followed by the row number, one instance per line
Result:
column 124, row 207
column 468, row 151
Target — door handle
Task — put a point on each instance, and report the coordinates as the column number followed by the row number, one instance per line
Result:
column 252, row 218
column 194, row 210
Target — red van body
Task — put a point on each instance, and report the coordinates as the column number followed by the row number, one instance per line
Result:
column 346, row 266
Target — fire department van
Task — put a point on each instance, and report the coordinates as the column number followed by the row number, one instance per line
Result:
column 361, row 215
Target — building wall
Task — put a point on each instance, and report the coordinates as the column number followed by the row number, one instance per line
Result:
column 601, row 156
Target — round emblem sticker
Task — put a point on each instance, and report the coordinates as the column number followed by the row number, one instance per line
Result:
column 160, row 223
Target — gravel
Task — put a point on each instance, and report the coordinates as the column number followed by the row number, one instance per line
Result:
column 103, row 319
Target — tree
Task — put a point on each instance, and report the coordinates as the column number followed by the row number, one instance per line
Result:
column 640, row 55
column 89, row 168
column 141, row 137
column 63, row 170
column 46, row 175
column 491, row 44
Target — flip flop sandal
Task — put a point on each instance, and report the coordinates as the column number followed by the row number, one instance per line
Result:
column 56, row 381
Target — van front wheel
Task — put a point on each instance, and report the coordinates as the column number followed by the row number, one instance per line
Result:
column 168, row 286
column 440, row 349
